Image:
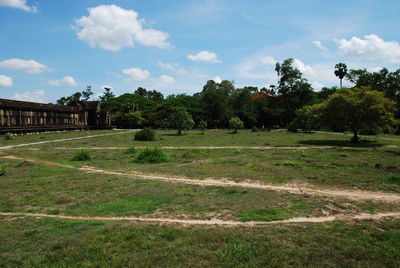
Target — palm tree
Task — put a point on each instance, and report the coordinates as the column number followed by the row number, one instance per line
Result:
column 341, row 71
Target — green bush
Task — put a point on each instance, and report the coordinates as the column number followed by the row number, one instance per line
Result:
column 235, row 124
column 203, row 126
column 146, row 134
column 254, row 129
column 151, row 155
column 131, row 150
column 3, row 170
column 81, row 156
column 8, row 136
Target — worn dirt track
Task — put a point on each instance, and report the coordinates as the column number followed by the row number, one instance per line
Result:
column 206, row 147
column 352, row 194
column 215, row 222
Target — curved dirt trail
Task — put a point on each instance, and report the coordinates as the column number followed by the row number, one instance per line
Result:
column 215, row 222
column 356, row 195
column 208, row 147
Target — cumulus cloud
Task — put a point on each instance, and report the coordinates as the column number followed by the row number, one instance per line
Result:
column 172, row 67
column 28, row 66
column 268, row 60
column 167, row 79
column 35, row 96
column 5, row 81
column 317, row 85
column 66, row 81
column 136, row 74
column 372, row 47
column 319, row 45
column 217, row 79
column 257, row 67
column 20, row 4
column 113, row 28
column 307, row 70
column 204, row 56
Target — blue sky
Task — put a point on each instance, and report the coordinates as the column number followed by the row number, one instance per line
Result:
column 51, row 49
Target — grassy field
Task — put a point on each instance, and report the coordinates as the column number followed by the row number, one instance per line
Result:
column 323, row 161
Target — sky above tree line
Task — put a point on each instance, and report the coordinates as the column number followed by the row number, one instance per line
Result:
column 51, row 49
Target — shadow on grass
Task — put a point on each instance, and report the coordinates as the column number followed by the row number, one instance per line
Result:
column 342, row 143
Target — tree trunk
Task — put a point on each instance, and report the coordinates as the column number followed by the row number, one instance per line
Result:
column 179, row 132
column 355, row 138
column 340, row 83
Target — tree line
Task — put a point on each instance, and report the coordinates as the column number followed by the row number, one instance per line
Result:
column 373, row 103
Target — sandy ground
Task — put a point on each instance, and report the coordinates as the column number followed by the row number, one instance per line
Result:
column 215, row 222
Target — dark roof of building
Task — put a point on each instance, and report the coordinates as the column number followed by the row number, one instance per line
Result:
column 34, row 106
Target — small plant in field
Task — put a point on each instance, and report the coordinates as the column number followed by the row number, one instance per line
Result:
column 203, row 126
column 8, row 136
column 3, row 170
column 146, row 134
column 254, row 129
column 151, row 155
column 81, row 156
column 131, row 150
column 235, row 124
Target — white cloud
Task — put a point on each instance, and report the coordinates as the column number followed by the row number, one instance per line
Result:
column 319, row 45
column 204, row 56
column 35, row 96
column 29, row 66
column 167, row 79
column 172, row 67
column 372, row 47
column 113, row 28
column 136, row 74
column 20, row 4
column 257, row 67
column 307, row 70
column 317, row 85
column 217, row 79
column 268, row 60
column 66, row 81
column 5, row 81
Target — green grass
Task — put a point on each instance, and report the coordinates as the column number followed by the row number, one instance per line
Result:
column 55, row 190
column 28, row 242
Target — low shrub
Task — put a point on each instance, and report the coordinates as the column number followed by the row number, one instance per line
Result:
column 151, row 155
column 8, row 136
column 3, row 170
column 131, row 150
column 82, row 155
column 254, row 129
column 146, row 134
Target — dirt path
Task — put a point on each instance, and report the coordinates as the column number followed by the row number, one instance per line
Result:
column 206, row 147
column 356, row 195
column 61, row 140
column 215, row 222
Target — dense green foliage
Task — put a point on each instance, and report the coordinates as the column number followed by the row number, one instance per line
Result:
column 151, row 155
column 278, row 106
column 8, row 136
column 235, row 124
column 81, row 155
column 146, row 134
column 180, row 119
column 356, row 109
column 3, row 170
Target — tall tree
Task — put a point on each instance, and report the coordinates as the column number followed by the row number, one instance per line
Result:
column 87, row 93
column 295, row 90
column 107, row 95
column 340, row 71
column 356, row 109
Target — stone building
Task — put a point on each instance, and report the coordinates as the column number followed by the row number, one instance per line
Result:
column 22, row 116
